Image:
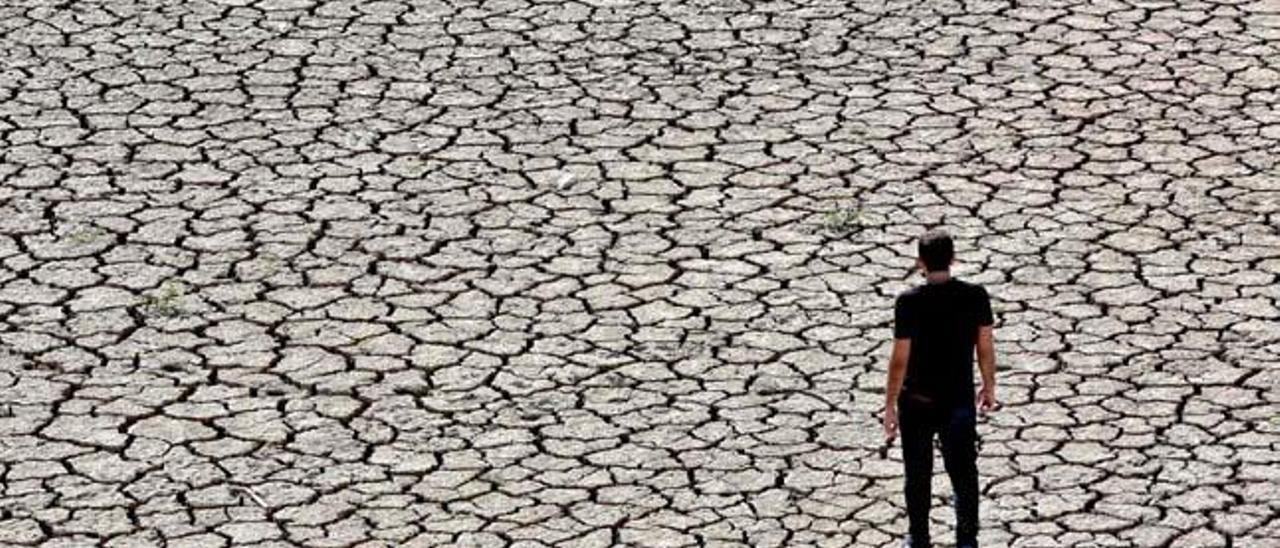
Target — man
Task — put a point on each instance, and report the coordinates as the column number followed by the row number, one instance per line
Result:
column 936, row 328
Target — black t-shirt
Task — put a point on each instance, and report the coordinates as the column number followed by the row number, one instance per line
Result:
column 942, row 320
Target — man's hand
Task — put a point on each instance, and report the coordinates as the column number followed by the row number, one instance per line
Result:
column 890, row 424
column 986, row 399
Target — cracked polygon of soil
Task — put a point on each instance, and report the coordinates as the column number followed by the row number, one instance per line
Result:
column 575, row 274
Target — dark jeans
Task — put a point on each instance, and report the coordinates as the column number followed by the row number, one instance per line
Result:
column 918, row 420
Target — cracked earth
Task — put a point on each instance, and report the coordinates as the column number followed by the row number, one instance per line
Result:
column 613, row 273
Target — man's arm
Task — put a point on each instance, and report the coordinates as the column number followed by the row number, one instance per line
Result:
column 986, row 398
column 897, row 370
column 903, row 329
column 987, row 355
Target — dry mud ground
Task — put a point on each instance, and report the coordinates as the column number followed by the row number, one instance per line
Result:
column 613, row 273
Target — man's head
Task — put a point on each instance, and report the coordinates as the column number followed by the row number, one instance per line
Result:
column 935, row 250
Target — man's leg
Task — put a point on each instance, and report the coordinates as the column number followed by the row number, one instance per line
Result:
column 958, row 437
column 916, row 427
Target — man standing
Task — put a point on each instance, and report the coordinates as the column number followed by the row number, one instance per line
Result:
column 936, row 327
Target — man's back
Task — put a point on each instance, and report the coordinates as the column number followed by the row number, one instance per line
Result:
column 942, row 319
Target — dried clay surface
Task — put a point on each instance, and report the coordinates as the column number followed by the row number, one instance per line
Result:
column 619, row 273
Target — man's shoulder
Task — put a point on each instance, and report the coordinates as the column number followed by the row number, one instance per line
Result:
column 972, row 287
column 909, row 292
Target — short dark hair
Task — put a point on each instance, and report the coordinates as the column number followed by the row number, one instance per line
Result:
column 936, row 249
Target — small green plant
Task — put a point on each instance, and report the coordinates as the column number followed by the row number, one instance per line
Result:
column 842, row 219
column 85, row 235
column 165, row 304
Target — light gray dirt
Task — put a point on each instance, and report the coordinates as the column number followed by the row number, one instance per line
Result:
column 612, row 273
